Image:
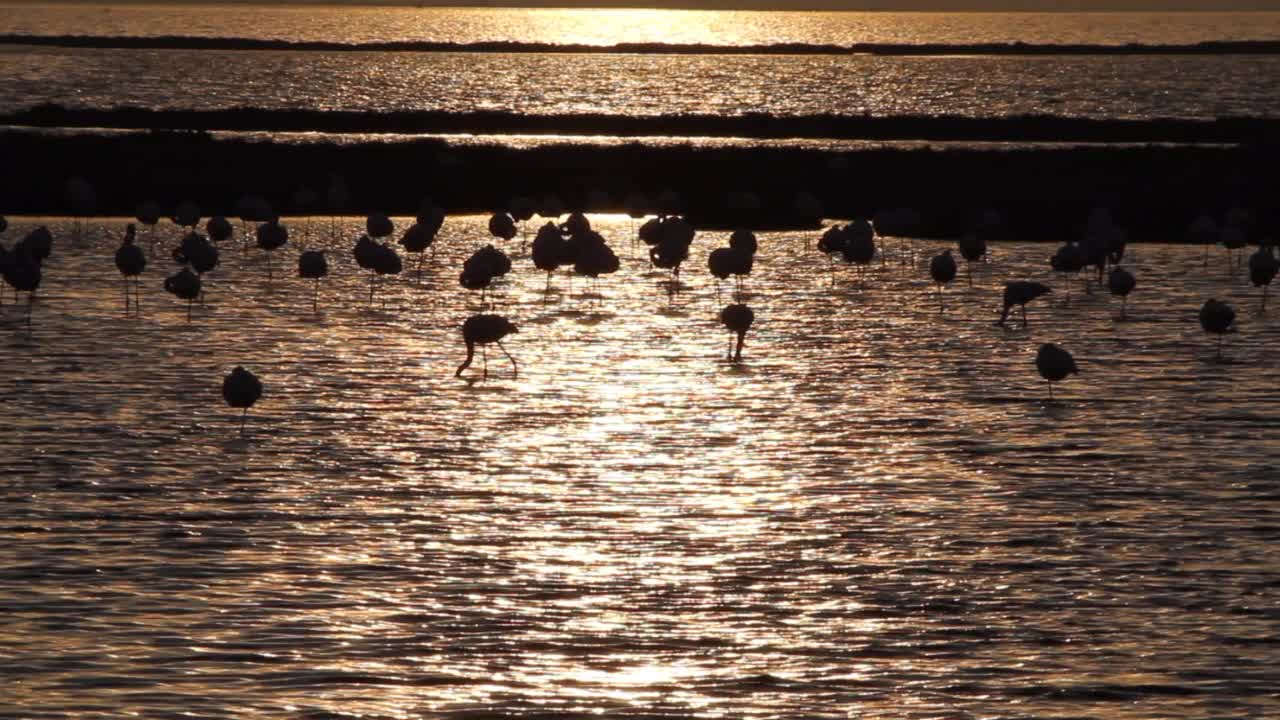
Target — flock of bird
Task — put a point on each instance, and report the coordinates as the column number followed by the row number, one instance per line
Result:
column 574, row 244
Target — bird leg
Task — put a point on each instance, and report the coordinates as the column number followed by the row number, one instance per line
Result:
column 1124, row 304
column 372, row 277
column 126, row 297
column 315, row 297
column 268, row 265
column 1219, row 347
column 484, row 358
column 742, row 339
column 515, row 369
column 243, row 416
column 1024, row 315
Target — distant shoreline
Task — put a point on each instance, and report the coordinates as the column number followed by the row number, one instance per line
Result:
column 1154, row 192
column 1023, row 128
column 179, row 42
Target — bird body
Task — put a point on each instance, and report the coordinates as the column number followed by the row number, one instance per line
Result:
column 1263, row 267
column 241, row 389
column 1054, row 364
column 1120, row 282
column 378, row 225
column 942, row 268
column 738, row 319
column 130, row 260
column 219, row 228
column 1021, row 292
column 502, row 226
column 482, row 330
column 1217, row 317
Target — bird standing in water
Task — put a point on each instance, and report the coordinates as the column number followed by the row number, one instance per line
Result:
column 1021, row 292
column 130, row 261
column 241, row 389
column 1216, row 317
column 738, row 318
column 943, row 270
column 486, row 330
column 1054, row 364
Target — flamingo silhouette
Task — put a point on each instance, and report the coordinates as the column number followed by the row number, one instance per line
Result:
column 272, row 236
column 1203, row 231
column 312, row 265
column 130, row 261
column 1054, row 364
column 484, row 330
column 592, row 256
column 241, row 389
column 482, row 268
column 1121, row 282
column 219, row 229
column 148, row 213
column 549, row 251
column 973, row 247
column 1021, row 292
column 385, row 262
column 379, row 226
column 1069, row 260
column 1216, row 318
column 22, row 272
column 502, row 226
column 942, row 268
column 83, row 201
column 727, row 261
column 738, row 319
column 184, row 285
column 859, row 247
column 1263, row 267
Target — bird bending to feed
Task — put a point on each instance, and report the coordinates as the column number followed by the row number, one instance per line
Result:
column 1216, row 317
column 738, row 318
column 1021, row 292
column 486, row 330
column 1054, row 364
column 942, row 268
column 241, row 389
column 1121, row 282
column 130, row 261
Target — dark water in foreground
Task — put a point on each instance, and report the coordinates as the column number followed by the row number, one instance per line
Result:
column 878, row 513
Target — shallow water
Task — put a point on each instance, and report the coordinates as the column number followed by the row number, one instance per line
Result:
column 877, row 513
column 598, row 26
column 644, row 85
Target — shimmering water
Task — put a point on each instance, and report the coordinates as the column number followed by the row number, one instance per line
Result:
column 624, row 84
column 610, row 26
column 877, row 514
column 645, row 85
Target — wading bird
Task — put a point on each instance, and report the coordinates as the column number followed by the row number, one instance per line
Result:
column 1121, row 282
column 484, row 330
column 1021, row 292
column 942, row 268
column 738, row 319
column 312, row 265
column 130, row 261
column 1054, row 364
column 241, row 389
column 1216, row 318
column 184, row 285
column 1263, row 267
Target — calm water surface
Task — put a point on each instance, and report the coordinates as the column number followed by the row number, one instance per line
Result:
column 644, row 85
column 878, row 513
column 606, row 27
